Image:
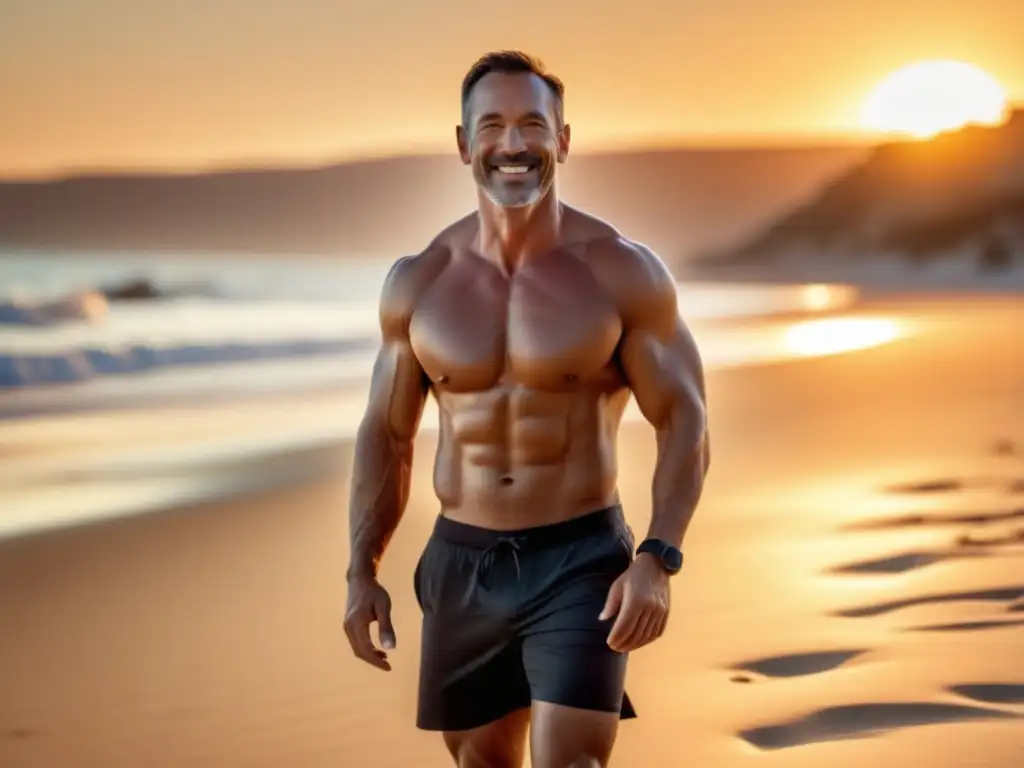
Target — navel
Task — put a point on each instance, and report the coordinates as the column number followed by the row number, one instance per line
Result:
column 506, row 480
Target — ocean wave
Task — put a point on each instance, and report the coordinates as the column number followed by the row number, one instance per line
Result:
column 93, row 304
column 119, row 325
column 88, row 306
column 19, row 371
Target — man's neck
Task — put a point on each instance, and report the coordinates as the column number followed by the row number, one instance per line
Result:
column 512, row 236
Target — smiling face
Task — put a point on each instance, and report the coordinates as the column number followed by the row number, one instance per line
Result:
column 513, row 138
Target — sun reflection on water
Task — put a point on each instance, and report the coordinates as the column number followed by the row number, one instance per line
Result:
column 828, row 336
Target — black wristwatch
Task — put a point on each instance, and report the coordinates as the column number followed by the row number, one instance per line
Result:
column 671, row 558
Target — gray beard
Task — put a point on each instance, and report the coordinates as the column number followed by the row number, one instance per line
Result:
column 520, row 199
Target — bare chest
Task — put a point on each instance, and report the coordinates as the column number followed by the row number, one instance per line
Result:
column 548, row 328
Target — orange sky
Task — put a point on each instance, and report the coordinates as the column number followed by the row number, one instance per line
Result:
column 184, row 83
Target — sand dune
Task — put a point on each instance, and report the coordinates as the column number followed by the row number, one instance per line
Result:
column 826, row 617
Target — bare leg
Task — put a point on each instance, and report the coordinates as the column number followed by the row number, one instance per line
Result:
column 501, row 744
column 565, row 737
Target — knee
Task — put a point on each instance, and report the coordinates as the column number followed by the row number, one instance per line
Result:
column 581, row 760
column 479, row 753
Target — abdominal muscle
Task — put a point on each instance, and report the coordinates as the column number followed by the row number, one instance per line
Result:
column 516, row 458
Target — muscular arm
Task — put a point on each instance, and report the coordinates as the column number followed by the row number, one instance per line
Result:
column 384, row 443
column 664, row 371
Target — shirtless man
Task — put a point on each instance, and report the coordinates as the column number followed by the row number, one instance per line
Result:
column 531, row 323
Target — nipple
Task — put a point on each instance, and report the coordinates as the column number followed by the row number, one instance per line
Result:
column 443, row 378
column 571, row 377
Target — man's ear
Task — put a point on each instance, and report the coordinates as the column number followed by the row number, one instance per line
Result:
column 463, row 144
column 564, row 138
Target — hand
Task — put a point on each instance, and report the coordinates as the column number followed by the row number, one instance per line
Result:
column 640, row 599
column 368, row 602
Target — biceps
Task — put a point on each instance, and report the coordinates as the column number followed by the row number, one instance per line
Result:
column 665, row 375
column 397, row 390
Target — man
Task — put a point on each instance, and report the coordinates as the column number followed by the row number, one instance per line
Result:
column 531, row 323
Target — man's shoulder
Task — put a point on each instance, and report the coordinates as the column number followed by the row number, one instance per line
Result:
column 634, row 277
column 410, row 275
column 633, row 270
column 628, row 259
column 407, row 279
column 456, row 236
column 582, row 227
column 606, row 249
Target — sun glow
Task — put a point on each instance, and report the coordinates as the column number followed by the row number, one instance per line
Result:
column 931, row 97
column 831, row 336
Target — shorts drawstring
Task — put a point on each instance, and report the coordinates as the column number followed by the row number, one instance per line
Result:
column 515, row 543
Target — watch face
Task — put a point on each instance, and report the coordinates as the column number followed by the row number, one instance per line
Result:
column 673, row 559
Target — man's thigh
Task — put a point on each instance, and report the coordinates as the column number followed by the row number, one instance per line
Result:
column 499, row 744
column 565, row 737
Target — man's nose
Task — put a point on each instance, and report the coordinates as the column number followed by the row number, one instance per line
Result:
column 512, row 140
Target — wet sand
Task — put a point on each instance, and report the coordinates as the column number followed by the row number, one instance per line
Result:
column 853, row 593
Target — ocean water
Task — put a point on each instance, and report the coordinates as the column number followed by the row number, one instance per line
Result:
column 153, row 403
column 301, row 320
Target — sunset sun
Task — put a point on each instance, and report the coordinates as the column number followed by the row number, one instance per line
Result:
column 930, row 97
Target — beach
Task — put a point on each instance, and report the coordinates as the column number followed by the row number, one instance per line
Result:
column 853, row 592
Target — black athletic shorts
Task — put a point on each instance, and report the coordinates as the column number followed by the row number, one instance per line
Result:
column 512, row 616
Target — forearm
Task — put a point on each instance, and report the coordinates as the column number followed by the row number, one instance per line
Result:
column 682, row 464
column 381, row 477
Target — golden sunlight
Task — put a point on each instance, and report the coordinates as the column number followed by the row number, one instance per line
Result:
column 931, row 97
column 831, row 336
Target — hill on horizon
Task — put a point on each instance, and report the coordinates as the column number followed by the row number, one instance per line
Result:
column 678, row 201
column 958, row 195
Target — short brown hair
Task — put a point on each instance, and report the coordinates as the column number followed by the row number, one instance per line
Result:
column 511, row 62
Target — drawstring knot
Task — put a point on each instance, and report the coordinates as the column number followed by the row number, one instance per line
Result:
column 515, row 545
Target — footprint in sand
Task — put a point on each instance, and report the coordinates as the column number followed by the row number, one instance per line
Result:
column 863, row 720
column 936, row 520
column 860, row 720
column 1004, row 447
column 899, row 563
column 954, row 484
column 966, row 545
column 943, row 485
column 1000, row 594
column 966, row 626
column 1015, row 536
column 1011, row 595
column 795, row 664
column 991, row 693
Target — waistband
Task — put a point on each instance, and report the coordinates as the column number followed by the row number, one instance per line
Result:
column 607, row 520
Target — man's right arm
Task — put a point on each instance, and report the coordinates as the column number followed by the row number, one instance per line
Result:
column 384, row 443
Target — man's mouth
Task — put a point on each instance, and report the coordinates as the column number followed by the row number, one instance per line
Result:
column 516, row 167
column 514, row 170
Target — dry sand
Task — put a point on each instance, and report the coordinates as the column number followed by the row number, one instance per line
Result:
column 853, row 594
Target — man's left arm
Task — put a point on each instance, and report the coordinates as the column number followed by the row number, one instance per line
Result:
column 663, row 368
